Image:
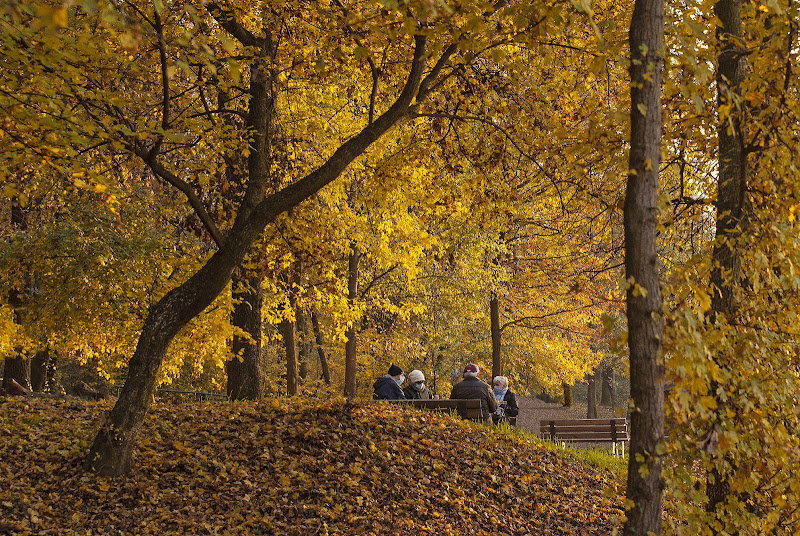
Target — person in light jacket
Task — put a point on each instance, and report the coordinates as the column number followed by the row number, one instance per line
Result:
column 387, row 387
column 471, row 387
column 417, row 389
column 507, row 408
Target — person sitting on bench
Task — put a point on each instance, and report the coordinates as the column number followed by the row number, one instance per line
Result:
column 507, row 409
column 417, row 389
column 387, row 387
column 471, row 387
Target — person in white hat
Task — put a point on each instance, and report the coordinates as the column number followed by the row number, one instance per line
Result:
column 416, row 388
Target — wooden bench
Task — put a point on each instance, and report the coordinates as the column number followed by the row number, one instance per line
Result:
column 466, row 409
column 614, row 431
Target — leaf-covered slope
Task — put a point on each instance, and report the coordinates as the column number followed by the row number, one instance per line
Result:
column 296, row 468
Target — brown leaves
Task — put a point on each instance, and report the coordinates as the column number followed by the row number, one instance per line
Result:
column 304, row 468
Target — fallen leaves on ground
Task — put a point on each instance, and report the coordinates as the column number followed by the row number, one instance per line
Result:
column 292, row 467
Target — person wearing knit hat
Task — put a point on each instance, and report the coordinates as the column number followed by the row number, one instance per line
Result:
column 470, row 387
column 387, row 387
column 416, row 388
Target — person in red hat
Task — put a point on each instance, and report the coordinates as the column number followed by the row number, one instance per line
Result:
column 470, row 387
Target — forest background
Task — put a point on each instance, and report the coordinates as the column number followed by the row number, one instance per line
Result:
column 286, row 197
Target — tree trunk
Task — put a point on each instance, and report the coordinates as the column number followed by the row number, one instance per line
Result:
column 567, row 389
column 245, row 379
column 43, row 368
column 303, row 351
column 110, row 453
column 287, row 329
column 350, row 361
column 731, row 195
column 323, row 361
column 494, row 313
column 591, row 397
column 18, row 369
column 643, row 297
column 607, row 386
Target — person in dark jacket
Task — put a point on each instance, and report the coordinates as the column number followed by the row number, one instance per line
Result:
column 470, row 387
column 507, row 408
column 416, row 389
column 387, row 387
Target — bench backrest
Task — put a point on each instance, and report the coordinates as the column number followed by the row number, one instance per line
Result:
column 585, row 430
column 466, row 409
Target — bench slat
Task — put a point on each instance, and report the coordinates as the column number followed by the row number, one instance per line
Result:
column 588, row 428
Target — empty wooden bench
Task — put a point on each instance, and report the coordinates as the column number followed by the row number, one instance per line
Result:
column 466, row 409
column 614, row 431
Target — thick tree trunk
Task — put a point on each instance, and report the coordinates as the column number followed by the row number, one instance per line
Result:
column 494, row 314
column 43, row 369
column 591, row 397
column 567, row 390
column 110, row 453
column 350, row 361
column 607, row 389
column 245, row 378
column 18, row 369
column 731, row 195
column 643, row 298
column 323, row 360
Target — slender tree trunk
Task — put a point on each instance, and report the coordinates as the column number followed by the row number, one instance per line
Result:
column 18, row 366
column 494, row 313
column 567, row 390
column 287, row 329
column 591, row 397
column 350, row 361
column 303, row 351
column 731, row 196
column 245, row 378
column 607, row 389
column 323, row 360
column 643, row 299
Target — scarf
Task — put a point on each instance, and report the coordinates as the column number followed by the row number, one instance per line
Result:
column 499, row 394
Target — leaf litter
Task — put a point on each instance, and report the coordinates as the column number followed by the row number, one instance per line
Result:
column 293, row 467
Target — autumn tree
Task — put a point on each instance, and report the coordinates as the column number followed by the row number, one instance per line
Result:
column 643, row 295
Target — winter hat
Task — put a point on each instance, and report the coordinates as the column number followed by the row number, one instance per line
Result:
column 416, row 376
column 394, row 370
column 471, row 370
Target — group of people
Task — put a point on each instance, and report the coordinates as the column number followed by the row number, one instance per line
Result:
column 497, row 401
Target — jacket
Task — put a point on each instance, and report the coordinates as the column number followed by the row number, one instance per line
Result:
column 474, row 388
column 413, row 394
column 510, row 409
column 385, row 388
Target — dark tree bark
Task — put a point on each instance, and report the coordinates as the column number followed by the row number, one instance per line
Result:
column 643, row 297
column 245, row 378
column 607, row 389
column 350, row 360
column 43, row 369
column 287, row 329
column 567, row 390
column 591, row 397
column 303, row 346
column 18, row 369
column 731, row 196
column 111, row 452
column 494, row 314
column 320, row 344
